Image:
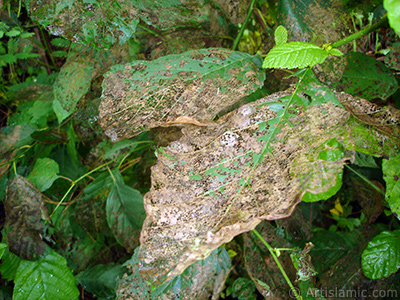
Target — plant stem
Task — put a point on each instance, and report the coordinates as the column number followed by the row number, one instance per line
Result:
column 246, row 21
column 382, row 22
column 271, row 250
column 366, row 180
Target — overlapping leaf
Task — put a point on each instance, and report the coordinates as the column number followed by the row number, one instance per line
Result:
column 194, row 85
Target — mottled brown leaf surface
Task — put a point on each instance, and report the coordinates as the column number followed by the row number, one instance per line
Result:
column 25, row 216
column 199, row 199
column 142, row 95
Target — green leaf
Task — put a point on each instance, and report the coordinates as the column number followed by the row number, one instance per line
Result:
column 3, row 247
column 391, row 174
column 47, row 278
column 364, row 160
column 44, row 173
column 60, row 53
column 60, row 42
column 330, row 246
column 26, row 55
column 72, row 83
column 393, row 11
column 335, row 52
column 124, row 208
column 381, row 258
column 9, row 265
column 280, row 35
column 294, row 55
column 311, row 197
column 14, row 32
column 101, row 280
column 366, row 77
column 8, row 59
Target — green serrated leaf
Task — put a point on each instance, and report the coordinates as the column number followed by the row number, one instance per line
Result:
column 14, row 32
column 60, row 53
column 26, row 35
column 393, row 11
column 391, row 174
column 280, row 35
column 8, row 59
column 44, row 173
column 381, row 258
column 124, row 208
column 26, row 55
column 294, row 55
column 47, row 278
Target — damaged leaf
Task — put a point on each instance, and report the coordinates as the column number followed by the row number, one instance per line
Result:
column 391, row 174
column 145, row 94
column 187, row 216
column 211, row 185
column 25, row 216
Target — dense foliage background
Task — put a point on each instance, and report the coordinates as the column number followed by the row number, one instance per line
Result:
column 91, row 98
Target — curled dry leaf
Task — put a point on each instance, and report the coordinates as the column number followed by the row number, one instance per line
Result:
column 207, row 187
column 192, row 85
column 25, row 216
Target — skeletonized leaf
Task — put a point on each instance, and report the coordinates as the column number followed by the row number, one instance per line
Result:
column 145, row 94
column 294, row 55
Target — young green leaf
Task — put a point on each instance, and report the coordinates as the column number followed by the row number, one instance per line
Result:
column 47, row 278
column 294, row 55
column 391, row 174
column 280, row 35
column 381, row 258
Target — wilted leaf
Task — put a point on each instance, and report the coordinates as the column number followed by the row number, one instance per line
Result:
column 44, row 173
column 382, row 255
column 47, row 278
column 142, row 95
column 125, row 212
column 25, row 215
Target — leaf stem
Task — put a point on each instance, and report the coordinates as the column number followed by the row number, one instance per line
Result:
column 271, row 250
column 382, row 22
column 244, row 25
column 366, row 180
